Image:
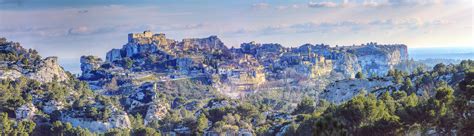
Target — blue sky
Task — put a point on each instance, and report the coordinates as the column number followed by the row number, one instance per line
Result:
column 71, row 28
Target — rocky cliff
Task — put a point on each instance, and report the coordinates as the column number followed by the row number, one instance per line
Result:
column 244, row 68
column 15, row 61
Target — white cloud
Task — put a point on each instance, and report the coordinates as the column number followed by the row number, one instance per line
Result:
column 371, row 3
column 414, row 2
column 344, row 27
column 322, row 4
column 261, row 5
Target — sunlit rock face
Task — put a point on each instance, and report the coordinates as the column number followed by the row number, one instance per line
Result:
column 156, row 112
column 17, row 61
column 90, row 63
column 51, row 106
column 49, row 70
column 371, row 59
column 343, row 90
column 116, row 120
column 26, row 111
column 207, row 44
column 113, row 55
column 378, row 59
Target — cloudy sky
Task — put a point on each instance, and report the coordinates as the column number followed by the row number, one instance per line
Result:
column 71, row 28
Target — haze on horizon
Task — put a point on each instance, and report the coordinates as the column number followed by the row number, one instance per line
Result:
column 69, row 29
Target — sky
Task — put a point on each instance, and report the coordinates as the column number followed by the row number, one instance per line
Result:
column 71, row 28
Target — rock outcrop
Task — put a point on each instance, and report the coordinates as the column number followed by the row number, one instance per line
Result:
column 49, row 70
column 378, row 59
column 26, row 111
column 51, row 106
column 156, row 112
column 89, row 67
column 15, row 61
column 116, row 120
column 343, row 90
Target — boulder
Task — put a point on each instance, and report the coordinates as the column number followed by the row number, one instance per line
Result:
column 26, row 111
column 156, row 112
column 51, row 106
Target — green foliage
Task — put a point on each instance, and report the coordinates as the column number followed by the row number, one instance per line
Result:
column 202, row 124
column 440, row 68
column 22, row 128
column 359, row 75
column 137, row 121
column 128, row 63
column 145, row 131
column 117, row 132
column 247, row 110
column 60, row 129
column 306, row 106
column 6, row 125
column 408, row 85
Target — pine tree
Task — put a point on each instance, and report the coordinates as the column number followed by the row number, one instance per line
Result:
column 306, row 106
column 6, row 124
column 202, row 124
column 359, row 75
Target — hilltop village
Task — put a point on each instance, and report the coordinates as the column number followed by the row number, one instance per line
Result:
column 251, row 67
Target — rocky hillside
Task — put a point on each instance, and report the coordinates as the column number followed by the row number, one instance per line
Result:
column 37, row 89
column 154, row 85
column 16, row 61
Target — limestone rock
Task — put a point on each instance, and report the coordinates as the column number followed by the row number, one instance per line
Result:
column 156, row 112
column 217, row 104
column 89, row 67
column 113, row 55
column 343, row 90
column 48, row 70
column 90, row 63
column 9, row 74
column 117, row 120
column 51, row 106
column 26, row 111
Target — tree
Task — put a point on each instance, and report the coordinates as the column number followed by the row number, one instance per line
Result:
column 117, row 132
column 411, row 101
column 247, row 110
column 92, row 112
column 106, row 114
column 137, row 121
column 26, row 127
column 408, row 86
column 6, row 124
column 306, row 106
column 359, row 75
column 389, row 101
column 399, row 95
column 145, row 131
column 24, row 61
column 57, row 128
column 440, row 68
column 128, row 63
column 55, row 116
column 462, row 103
column 202, row 124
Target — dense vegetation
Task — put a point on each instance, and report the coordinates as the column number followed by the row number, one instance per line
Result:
column 447, row 111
